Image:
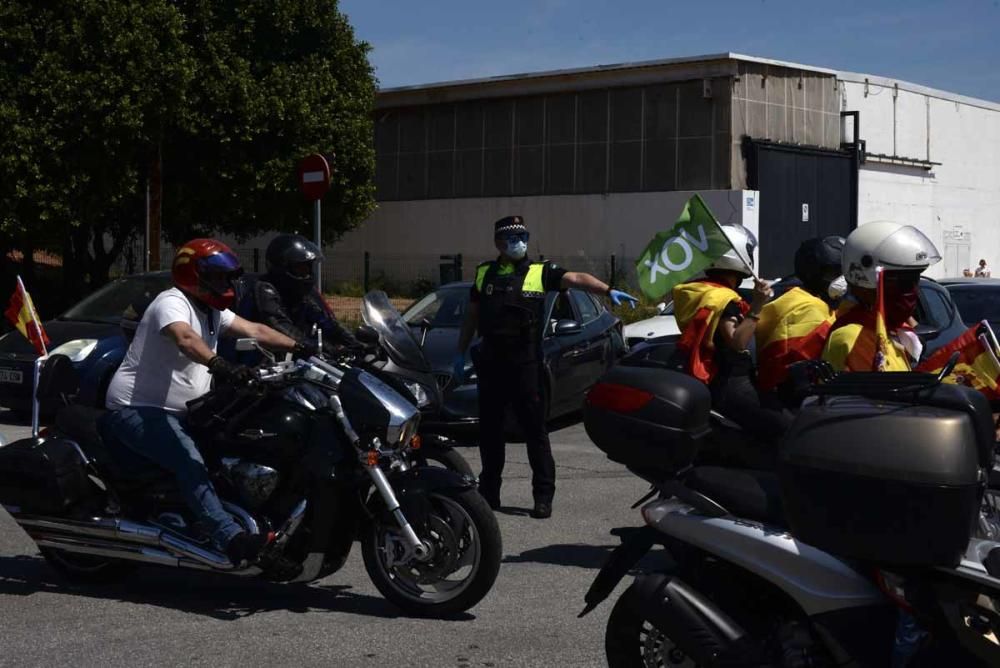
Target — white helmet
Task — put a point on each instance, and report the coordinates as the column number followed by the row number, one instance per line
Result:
column 739, row 258
column 892, row 246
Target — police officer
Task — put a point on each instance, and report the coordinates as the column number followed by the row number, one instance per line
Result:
column 286, row 299
column 507, row 308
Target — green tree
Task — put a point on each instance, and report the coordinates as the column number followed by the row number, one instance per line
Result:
column 225, row 95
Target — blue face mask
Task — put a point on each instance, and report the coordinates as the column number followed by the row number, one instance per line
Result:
column 516, row 249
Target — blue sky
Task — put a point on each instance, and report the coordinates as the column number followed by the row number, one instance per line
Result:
column 950, row 45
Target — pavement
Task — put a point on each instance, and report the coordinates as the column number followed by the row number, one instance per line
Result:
column 168, row 617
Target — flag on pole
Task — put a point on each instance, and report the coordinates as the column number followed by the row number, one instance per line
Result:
column 882, row 341
column 977, row 367
column 21, row 313
column 685, row 250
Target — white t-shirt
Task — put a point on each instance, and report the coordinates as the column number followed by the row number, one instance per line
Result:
column 155, row 372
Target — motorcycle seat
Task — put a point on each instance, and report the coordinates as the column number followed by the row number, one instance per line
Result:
column 119, row 463
column 754, row 495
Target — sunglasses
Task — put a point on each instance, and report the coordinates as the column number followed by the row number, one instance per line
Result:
column 514, row 236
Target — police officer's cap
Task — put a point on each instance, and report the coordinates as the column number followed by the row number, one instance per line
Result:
column 507, row 225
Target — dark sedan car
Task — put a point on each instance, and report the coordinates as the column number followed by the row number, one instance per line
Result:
column 89, row 333
column 977, row 299
column 581, row 341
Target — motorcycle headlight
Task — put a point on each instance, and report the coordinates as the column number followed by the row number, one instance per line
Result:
column 419, row 393
column 76, row 350
column 401, row 434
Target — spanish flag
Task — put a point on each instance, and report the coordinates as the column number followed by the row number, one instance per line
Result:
column 859, row 339
column 698, row 308
column 792, row 328
column 22, row 314
column 977, row 365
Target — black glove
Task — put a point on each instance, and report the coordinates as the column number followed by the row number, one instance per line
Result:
column 305, row 350
column 235, row 375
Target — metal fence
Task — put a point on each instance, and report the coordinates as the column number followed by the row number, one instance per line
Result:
column 400, row 275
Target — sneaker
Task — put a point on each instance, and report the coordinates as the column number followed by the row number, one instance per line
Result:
column 246, row 547
column 542, row 510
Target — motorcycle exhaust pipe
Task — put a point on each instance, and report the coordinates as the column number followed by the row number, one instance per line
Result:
column 693, row 622
column 123, row 533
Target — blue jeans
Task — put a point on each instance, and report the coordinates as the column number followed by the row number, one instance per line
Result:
column 157, row 435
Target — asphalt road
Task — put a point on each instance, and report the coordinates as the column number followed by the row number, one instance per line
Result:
column 166, row 617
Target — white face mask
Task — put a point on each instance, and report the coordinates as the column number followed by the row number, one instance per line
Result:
column 837, row 288
column 516, row 249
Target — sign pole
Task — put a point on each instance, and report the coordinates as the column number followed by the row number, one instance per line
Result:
column 317, row 233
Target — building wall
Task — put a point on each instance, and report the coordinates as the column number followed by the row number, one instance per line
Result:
column 579, row 231
column 670, row 135
column 957, row 202
column 784, row 105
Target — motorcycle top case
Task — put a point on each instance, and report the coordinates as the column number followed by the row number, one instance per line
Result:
column 651, row 420
column 887, row 482
column 42, row 476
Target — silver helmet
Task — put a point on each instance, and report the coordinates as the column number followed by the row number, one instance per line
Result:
column 892, row 246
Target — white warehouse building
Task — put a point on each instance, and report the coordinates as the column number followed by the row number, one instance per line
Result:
column 599, row 159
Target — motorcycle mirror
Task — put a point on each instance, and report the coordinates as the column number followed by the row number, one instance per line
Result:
column 366, row 334
column 246, row 345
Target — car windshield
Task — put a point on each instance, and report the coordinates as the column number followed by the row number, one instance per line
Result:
column 109, row 303
column 444, row 307
column 976, row 303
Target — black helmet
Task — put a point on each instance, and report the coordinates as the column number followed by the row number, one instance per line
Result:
column 817, row 262
column 287, row 250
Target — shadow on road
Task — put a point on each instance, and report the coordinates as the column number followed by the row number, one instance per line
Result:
column 576, row 554
column 217, row 596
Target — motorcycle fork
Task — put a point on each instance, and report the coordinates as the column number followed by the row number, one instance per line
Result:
column 414, row 546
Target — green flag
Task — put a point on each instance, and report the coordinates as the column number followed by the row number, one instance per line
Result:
column 683, row 251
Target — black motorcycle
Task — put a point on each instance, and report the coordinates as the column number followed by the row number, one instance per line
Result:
column 313, row 454
column 398, row 359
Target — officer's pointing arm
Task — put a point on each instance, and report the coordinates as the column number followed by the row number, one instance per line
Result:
column 585, row 282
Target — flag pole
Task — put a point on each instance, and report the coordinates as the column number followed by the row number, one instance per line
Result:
column 738, row 253
column 35, row 409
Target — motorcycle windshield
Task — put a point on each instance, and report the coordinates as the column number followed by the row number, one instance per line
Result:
column 394, row 334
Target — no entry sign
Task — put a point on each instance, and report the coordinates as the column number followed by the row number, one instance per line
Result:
column 314, row 176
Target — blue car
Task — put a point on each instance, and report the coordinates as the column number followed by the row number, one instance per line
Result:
column 89, row 333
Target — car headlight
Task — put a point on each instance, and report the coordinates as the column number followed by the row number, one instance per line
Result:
column 76, row 350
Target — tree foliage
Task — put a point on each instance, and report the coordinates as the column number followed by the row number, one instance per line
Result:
column 227, row 94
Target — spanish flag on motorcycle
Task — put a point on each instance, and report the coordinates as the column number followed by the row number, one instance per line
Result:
column 698, row 308
column 977, row 365
column 792, row 328
column 21, row 313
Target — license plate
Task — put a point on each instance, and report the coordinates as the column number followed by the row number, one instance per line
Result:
column 11, row 376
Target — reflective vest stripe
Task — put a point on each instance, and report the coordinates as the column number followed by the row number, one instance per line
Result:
column 533, row 285
column 481, row 275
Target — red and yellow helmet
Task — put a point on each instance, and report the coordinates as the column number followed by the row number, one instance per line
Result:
column 206, row 269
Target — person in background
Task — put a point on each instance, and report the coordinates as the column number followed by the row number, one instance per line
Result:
column 982, row 271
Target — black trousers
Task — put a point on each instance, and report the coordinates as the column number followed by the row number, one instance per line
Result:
column 511, row 378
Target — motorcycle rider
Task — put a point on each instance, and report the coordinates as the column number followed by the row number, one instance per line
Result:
column 903, row 252
column 794, row 327
column 171, row 361
column 285, row 298
column 717, row 327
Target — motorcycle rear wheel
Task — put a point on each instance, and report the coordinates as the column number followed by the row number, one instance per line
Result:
column 467, row 552
column 631, row 641
column 84, row 567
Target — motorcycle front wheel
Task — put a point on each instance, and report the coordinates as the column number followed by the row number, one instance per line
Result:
column 444, row 457
column 465, row 557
